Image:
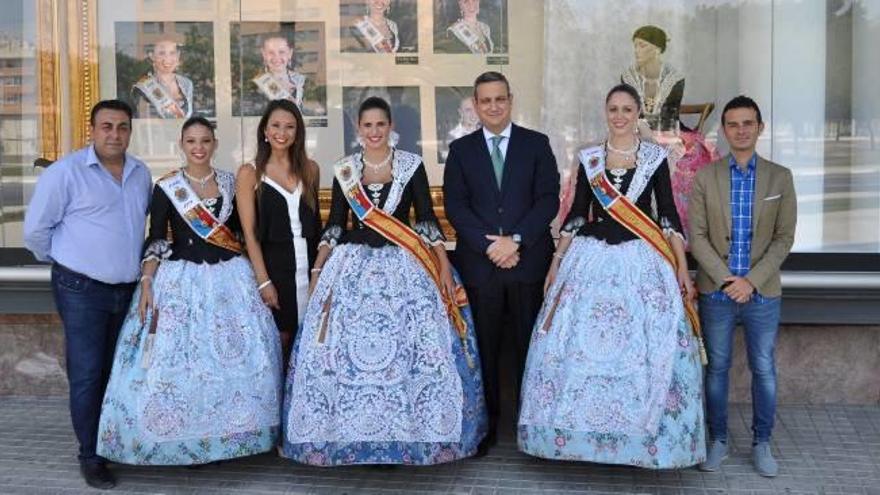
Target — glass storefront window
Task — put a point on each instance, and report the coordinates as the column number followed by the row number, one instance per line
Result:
column 811, row 66
column 18, row 116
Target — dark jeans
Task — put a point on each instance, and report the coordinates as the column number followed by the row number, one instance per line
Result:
column 92, row 313
column 761, row 323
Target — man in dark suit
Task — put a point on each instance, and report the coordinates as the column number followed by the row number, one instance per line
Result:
column 501, row 190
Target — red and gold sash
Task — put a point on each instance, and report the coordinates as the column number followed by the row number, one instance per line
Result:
column 403, row 236
column 195, row 214
column 636, row 221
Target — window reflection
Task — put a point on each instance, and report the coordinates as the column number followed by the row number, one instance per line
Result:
column 812, row 66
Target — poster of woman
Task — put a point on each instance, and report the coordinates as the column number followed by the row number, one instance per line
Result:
column 166, row 70
column 378, row 26
column 470, row 26
column 278, row 60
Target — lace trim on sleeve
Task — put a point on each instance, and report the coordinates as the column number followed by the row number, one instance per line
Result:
column 669, row 230
column 331, row 236
column 158, row 250
column 430, row 232
column 572, row 226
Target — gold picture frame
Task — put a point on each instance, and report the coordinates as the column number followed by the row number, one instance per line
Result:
column 80, row 33
column 49, row 79
column 82, row 42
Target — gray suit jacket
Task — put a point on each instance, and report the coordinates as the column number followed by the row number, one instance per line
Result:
column 774, row 216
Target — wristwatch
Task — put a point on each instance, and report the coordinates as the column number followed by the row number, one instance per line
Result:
column 516, row 238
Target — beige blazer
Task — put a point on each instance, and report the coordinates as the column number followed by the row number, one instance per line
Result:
column 774, row 216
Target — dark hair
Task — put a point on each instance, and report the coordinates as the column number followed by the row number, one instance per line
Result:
column 375, row 103
column 110, row 105
column 742, row 101
column 198, row 120
column 488, row 77
column 625, row 88
column 300, row 164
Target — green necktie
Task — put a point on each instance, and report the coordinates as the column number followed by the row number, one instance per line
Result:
column 497, row 158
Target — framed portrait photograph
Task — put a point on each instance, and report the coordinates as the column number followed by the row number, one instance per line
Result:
column 378, row 26
column 278, row 60
column 165, row 69
column 456, row 116
column 405, row 114
column 476, row 27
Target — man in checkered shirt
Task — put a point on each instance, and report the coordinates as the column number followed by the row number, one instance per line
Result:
column 743, row 213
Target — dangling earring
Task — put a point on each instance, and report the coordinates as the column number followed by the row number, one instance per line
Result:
column 360, row 142
column 265, row 138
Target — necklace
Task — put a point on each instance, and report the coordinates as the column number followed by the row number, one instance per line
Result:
column 375, row 192
column 202, row 182
column 625, row 153
column 618, row 175
column 376, row 167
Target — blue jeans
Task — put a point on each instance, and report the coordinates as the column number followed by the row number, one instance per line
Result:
column 761, row 323
column 92, row 313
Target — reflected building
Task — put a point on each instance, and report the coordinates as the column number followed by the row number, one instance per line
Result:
column 19, row 124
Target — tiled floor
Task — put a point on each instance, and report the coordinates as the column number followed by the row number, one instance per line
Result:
column 821, row 450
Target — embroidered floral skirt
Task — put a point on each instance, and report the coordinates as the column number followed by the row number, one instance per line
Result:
column 378, row 375
column 209, row 388
column 614, row 375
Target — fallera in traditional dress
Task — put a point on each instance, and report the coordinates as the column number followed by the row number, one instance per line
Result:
column 380, row 374
column 613, row 374
column 200, row 380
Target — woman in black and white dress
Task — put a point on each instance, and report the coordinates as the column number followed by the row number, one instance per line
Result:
column 277, row 198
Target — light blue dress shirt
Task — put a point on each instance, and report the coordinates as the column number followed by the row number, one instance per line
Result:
column 487, row 135
column 84, row 219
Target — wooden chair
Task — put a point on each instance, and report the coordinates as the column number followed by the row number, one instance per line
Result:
column 701, row 109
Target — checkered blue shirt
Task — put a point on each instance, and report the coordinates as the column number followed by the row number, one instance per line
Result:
column 742, row 200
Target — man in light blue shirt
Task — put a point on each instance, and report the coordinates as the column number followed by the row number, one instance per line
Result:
column 87, row 217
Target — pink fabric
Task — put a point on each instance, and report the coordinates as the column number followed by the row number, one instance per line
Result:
column 697, row 154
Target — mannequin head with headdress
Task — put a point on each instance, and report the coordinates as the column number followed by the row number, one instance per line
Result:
column 649, row 43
